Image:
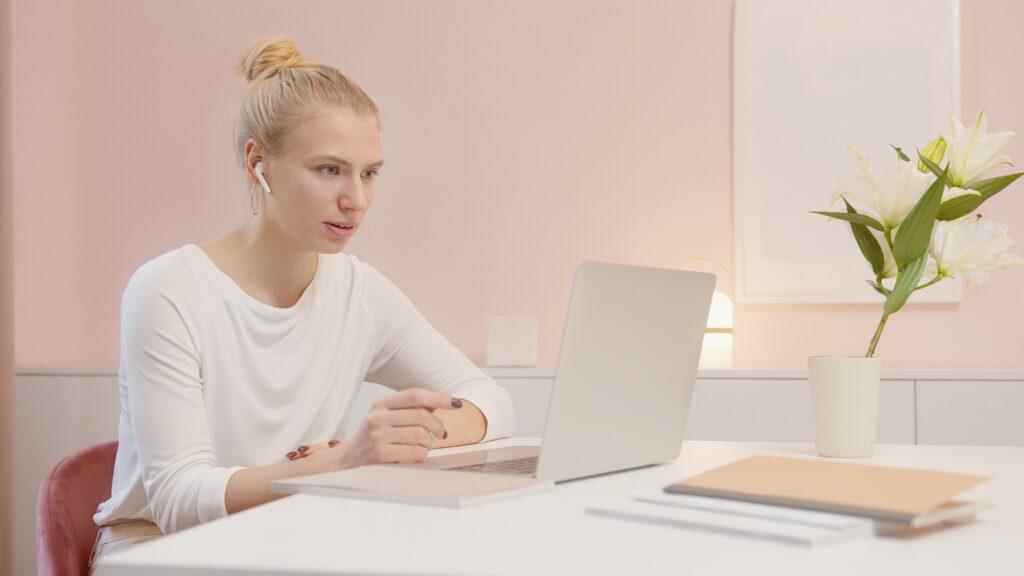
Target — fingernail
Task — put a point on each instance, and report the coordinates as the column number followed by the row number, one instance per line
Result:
column 456, row 403
column 445, row 435
column 292, row 455
column 303, row 448
column 334, row 443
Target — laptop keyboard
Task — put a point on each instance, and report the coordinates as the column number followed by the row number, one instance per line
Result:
column 516, row 466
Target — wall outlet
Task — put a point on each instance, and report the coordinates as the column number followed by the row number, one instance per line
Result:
column 499, row 341
column 511, row 341
column 524, row 340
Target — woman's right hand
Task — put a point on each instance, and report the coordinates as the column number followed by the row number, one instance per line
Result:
column 309, row 450
column 401, row 427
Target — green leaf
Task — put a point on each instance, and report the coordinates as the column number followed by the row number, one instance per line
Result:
column 962, row 205
column 880, row 289
column 931, row 166
column 934, row 151
column 906, row 282
column 854, row 217
column 866, row 241
column 991, row 186
column 957, row 207
column 915, row 232
column 900, row 154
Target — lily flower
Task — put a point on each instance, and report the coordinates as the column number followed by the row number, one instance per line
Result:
column 972, row 152
column 889, row 268
column 971, row 247
column 887, row 196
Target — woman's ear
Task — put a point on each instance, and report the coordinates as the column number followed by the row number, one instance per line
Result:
column 259, row 174
column 254, row 153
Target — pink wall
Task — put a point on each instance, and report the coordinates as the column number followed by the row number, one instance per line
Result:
column 6, row 303
column 520, row 138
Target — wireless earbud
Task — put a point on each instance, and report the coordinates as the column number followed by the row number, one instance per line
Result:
column 259, row 174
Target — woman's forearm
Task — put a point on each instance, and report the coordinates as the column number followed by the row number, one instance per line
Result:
column 466, row 425
column 250, row 487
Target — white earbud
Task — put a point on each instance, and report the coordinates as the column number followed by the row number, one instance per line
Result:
column 259, row 174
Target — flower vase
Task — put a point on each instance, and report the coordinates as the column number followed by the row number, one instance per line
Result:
column 844, row 404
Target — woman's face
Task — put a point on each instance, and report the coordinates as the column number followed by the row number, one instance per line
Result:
column 324, row 179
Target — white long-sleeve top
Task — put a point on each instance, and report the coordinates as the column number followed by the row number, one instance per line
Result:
column 213, row 380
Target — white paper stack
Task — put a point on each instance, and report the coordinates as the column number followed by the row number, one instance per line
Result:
column 396, row 483
column 763, row 521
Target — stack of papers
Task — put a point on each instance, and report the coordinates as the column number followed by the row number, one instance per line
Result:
column 911, row 497
column 804, row 501
column 395, row 483
column 773, row 523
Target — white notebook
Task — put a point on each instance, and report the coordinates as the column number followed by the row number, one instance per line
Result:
column 754, row 510
column 446, row 488
column 772, row 523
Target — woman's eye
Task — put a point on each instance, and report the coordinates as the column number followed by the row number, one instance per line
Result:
column 322, row 168
column 370, row 174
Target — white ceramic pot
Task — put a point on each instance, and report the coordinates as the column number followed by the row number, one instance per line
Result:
column 844, row 404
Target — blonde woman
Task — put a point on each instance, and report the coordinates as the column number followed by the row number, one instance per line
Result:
column 240, row 358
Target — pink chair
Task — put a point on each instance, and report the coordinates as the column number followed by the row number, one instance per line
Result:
column 68, row 498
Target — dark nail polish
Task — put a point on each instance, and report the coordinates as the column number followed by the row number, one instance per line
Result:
column 303, row 448
column 456, row 403
column 292, row 455
column 333, row 443
column 445, row 435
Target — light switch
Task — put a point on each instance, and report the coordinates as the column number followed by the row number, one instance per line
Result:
column 499, row 341
column 524, row 340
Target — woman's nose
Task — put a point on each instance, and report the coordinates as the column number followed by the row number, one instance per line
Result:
column 353, row 197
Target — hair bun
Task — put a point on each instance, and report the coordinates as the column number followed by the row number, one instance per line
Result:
column 268, row 57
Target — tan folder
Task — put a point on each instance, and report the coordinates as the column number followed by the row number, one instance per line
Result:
column 888, row 493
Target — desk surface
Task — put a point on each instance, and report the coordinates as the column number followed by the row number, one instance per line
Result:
column 550, row 533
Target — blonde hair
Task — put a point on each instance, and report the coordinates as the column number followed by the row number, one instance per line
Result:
column 285, row 88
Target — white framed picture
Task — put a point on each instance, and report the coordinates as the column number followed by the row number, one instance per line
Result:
column 812, row 77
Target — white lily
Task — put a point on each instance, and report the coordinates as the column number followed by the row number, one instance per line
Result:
column 887, row 196
column 889, row 268
column 970, row 247
column 931, row 271
column 972, row 151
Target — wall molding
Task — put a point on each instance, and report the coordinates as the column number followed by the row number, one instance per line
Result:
column 986, row 374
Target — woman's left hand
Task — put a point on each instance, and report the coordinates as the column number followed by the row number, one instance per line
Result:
column 306, row 450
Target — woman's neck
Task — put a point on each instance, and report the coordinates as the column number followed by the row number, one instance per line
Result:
column 265, row 263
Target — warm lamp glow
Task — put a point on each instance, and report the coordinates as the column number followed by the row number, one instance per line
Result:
column 720, row 315
column 716, row 351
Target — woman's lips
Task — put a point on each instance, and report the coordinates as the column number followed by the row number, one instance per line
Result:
column 340, row 231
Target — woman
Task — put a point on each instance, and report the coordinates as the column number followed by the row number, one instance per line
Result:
column 240, row 358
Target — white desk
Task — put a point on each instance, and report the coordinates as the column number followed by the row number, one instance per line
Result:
column 550, row 534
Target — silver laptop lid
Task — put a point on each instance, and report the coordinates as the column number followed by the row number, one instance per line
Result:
column 626, row 369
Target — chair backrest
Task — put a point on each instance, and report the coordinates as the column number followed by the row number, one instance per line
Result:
column 68, row 498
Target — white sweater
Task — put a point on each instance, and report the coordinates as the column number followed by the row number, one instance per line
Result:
column 213, row 380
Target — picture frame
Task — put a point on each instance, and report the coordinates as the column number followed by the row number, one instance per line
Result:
column 812, row 77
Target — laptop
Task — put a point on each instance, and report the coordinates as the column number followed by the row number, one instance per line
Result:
column 625, row 376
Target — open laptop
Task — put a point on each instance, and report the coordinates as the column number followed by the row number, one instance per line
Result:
column 625, row 375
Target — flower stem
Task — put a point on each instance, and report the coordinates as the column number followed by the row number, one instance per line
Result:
column 878, row 333
column 878, row 280
column 929, row 283
column 888, row 236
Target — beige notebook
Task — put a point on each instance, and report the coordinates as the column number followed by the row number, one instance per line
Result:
column 903, row 495
column 448, row 488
